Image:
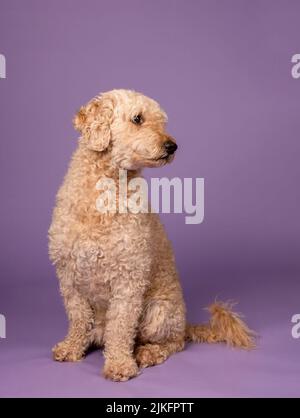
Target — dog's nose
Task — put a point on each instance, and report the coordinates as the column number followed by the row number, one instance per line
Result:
column 170, row 147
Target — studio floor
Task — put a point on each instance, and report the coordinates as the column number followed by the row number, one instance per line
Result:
column 35, row 321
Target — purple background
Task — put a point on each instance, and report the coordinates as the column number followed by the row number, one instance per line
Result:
column 222, row 71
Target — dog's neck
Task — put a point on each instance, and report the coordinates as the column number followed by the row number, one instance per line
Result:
column 100, row 164
column 89, row 167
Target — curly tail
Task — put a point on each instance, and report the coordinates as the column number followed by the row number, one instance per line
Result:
column 224, row 326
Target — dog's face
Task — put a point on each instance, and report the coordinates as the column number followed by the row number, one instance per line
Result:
column 129, row 126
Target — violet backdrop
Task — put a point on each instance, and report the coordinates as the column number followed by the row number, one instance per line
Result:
column 222, row 71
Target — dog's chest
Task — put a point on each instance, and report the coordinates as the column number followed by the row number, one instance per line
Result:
column 95, row 290
column 125, row 248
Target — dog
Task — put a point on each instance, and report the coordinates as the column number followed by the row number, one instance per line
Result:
column 117, row 272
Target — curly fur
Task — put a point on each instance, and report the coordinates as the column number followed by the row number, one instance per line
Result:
column 117, row 271
column 224, row 326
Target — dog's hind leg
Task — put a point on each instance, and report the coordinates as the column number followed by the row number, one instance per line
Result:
column 152, row 354
column 162, row 330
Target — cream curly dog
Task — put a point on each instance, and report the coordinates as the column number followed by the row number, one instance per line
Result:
column 117, row 271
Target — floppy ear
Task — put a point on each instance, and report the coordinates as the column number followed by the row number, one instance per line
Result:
column 93, row 122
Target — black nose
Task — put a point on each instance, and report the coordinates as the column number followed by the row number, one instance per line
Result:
column 170, row 147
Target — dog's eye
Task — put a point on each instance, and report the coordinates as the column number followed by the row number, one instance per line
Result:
column 137, row 119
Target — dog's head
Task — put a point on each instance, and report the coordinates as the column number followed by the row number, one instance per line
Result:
column 129, row 126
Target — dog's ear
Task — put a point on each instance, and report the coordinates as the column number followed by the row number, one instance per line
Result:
column 93, row 122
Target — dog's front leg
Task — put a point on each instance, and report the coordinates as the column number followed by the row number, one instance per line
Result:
column 121, row 324
column 81, row 319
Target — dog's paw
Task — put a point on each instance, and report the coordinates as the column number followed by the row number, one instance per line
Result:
column 120, row 371
column 66, row 352
column 150, row 355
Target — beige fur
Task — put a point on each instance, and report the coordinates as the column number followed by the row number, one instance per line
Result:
column 117, row 272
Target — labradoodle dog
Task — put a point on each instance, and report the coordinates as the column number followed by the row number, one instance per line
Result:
column 116, row 271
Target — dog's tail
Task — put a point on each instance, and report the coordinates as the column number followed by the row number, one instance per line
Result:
column 224, row 326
